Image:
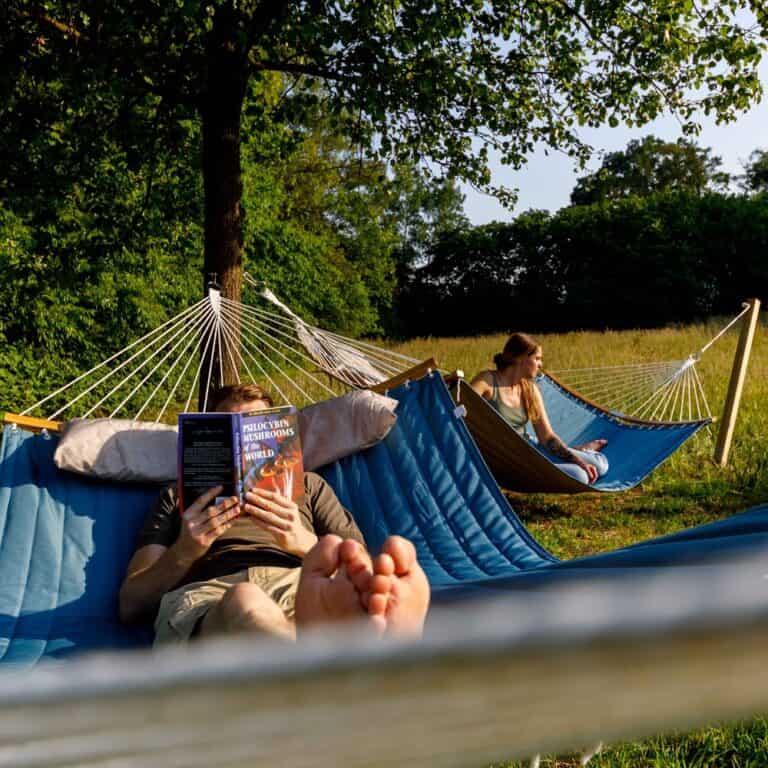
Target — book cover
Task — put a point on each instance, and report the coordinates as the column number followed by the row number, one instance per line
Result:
column 208, row 455
column 261, row 449
column 271, row 450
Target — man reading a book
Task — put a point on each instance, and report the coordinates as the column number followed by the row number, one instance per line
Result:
column 269, row 565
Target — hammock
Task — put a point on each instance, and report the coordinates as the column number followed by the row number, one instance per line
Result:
column 65, row 541
column 157, row 375
column 635, row 448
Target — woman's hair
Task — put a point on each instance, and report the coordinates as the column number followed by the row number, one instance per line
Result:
column 518, row 346
column 239, row 393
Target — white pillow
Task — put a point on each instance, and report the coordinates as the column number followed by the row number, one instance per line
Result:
column 140, row 451
column 344, row 425
column 119, row 449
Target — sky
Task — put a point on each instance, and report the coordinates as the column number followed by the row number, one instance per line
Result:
column 546, row 182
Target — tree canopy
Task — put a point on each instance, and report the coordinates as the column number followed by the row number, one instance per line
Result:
column 136, row 134
column 414, row 80
column 651, row 165
column 755, row 177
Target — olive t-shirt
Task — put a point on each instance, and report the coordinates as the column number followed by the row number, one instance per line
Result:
column 246, row 544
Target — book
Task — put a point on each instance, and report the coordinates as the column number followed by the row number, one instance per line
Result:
column 239, row 451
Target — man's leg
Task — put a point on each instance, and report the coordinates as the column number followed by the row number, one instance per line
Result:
column 246, row 607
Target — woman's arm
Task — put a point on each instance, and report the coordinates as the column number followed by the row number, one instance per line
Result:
column 549, row 440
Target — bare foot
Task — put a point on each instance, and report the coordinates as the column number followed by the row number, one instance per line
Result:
column 592, row 445
column 335, row 576
column 404, row 606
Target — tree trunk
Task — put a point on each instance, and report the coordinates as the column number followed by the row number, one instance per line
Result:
column 221, row 108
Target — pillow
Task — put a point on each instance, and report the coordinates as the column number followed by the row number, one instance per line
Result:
column 344, row 425
column 119, row 449
column 140, row 451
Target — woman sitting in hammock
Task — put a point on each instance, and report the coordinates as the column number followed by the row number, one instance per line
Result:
column 510, row 389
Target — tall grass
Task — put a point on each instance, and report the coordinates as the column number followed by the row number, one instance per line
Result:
column 689, row 489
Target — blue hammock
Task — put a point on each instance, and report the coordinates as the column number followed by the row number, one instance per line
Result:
column 635, row 448
column 65, row 541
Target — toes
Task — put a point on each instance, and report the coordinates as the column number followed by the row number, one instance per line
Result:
column 384, row 564
column 324, row 558
column 377, row 605
column 402, row 552
column 380, row 585
column 379, row 623
column 357, row 564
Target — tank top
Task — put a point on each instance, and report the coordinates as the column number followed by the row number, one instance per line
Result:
column 515, row 416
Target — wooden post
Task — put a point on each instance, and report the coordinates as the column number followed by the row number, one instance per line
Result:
column 738, row 375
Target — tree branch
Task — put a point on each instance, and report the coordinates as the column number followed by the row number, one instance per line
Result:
column 49, row 21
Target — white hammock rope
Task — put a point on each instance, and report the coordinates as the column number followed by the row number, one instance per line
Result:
column 157, row 332
column 160, row 374
column 340, row 358
column 263, row 344
column 664, row 391
column 260, row 333
column 361, row 360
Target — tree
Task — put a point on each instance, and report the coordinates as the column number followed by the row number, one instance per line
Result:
column 420, row 79
column 755, row 177
column 651, row 165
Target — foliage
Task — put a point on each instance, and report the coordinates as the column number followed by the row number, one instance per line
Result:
column 636, row 262
column 426, row 80
column 651, row 165
column 755, row 177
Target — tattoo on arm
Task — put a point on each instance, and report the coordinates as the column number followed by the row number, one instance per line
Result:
column 556, row 446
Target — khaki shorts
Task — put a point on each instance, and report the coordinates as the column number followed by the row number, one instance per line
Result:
column 181, row 610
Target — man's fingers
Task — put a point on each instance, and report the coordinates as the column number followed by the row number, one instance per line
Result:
column 228, row 507
column 269, row 518
column 274, row 503
column 270, row 499
column 203, row 500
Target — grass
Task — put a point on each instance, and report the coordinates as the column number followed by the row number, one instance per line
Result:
column 687, row 490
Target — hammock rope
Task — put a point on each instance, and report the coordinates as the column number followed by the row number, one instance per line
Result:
column 665, row 391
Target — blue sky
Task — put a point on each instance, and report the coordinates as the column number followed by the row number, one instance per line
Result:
column 546, row 182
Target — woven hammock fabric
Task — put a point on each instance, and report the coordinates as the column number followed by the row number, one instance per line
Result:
column 65, row 540
column 634, row 450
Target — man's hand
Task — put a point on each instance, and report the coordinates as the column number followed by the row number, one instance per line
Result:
column 202, row 523
column 281, row 518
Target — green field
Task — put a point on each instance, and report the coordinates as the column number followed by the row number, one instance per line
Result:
column 689, row 489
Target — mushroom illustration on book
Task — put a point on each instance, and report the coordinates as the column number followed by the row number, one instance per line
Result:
column 271, row 450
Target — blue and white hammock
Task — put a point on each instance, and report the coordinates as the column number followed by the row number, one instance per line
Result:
column 634, row 449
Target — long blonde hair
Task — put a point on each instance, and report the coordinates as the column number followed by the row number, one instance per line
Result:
column 518, row 347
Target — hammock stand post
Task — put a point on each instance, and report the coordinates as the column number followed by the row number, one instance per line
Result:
column 736, row 384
